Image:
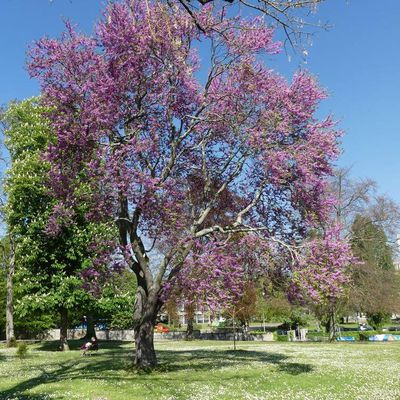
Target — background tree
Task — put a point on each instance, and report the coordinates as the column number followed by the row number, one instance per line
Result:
column 117, row 299
column 375, row 285
column 360, row 197
column 272, row 306
column 138, row 130
column 49, row 267
column 372, row 222
column 246, row 306
column 8, row 260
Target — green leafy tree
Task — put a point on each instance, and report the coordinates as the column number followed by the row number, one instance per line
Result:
column 117, row 301
column 272, row 308
column 48, row 267
column 375, row 288
column 245, row 306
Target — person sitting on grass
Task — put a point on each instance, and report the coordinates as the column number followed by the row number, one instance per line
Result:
column 92, row 345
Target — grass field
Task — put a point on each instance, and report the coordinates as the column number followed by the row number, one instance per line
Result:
column 206, row 370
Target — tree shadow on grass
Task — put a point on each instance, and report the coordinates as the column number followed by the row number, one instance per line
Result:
column 76, row 344
column 27, row 397
column 203, row 360
column 295, row 368
column 112, row 358
column 18, row 391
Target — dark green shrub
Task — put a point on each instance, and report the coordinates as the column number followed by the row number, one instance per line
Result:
column 22, row 350
column 257, row 332
column 281, row 338
column 378, row 319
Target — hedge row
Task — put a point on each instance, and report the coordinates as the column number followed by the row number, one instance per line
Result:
column 358, row 335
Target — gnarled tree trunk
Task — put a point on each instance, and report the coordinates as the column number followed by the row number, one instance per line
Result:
column 145, row 314
column 145, row 356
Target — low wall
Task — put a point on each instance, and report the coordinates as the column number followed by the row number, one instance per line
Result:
column 54, row 334
column 123, row 335
column 128, row 335
column 77, row 334
column 266, row 337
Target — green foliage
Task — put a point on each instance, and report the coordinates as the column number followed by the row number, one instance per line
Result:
column 122, row 319
column 261, row 332
column 22, row 350
column 246, row 306
column 370, row 244
column 117, row 300
column 375, row 286
column 48, row 267
column 273, row 308
column 297, row 318
column 325, row 335
column 280, row 338
column 32, row 324
column 378, row 319
column 317, row 335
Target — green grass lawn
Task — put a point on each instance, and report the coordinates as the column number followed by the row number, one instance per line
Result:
column 206, row 370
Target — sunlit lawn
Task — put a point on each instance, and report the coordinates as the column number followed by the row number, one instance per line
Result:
column 207, row 370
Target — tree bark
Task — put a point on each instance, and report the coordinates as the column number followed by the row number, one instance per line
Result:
column 63, row 346
column 145, row 356
column 190, row 310
column 90, row 330
column 10, row 335
column 332, row 326
column 189, row 329
column 146, row 312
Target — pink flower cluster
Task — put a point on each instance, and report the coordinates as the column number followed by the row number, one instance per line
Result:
column 321, row 273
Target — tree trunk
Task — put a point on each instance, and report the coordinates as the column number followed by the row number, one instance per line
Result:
column 332, row 327
column 63, row 346
column 145, row 314
column 190, row 310
column 10, row 335
column 145, row 356
column 90, row 330
column 189, row 329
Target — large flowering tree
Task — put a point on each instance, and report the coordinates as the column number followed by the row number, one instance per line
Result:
column 199, row 167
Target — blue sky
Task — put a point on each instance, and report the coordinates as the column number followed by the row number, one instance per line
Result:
column 357, row 61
